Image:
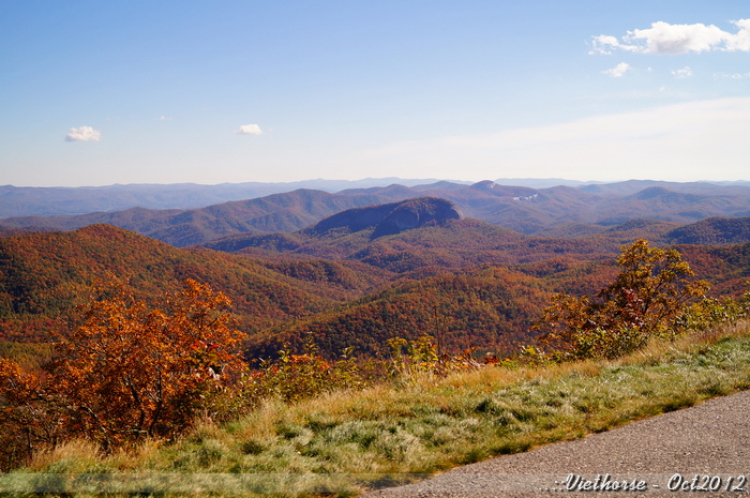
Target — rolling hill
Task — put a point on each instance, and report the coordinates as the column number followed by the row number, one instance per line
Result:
column 522, row 209
column 181, row 228
column 357, row 277
column 447, row 241
column 712, row 231
column 52, row 201
column 489, row 308
column 43, row 277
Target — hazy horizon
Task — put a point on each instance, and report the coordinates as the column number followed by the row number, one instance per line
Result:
column 375, row 181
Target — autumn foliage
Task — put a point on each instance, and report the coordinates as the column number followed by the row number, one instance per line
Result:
column 128, row 372
column 646, row 299
column 128, row 366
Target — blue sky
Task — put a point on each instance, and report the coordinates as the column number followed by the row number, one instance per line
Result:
column 97, row 93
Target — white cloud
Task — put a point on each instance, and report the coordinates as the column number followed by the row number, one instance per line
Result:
column 249, row 129
column 683, row 73
column 673, row 39
column 734, row 76
column 83, row 134
column 164, row 118
column 619, row 70
column 603, row 43
column 740, row 41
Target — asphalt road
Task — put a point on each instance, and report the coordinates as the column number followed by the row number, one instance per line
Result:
column 700, row 451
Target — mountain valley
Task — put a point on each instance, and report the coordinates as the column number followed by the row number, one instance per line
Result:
column 360, row 276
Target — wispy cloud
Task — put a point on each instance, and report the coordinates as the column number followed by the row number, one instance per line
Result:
column 619, row 70
column 83, row 134
column 733, row 76
column 164, row 118
column 648, row 143
column 249, row 129
column 683, row 73
column 674, row 39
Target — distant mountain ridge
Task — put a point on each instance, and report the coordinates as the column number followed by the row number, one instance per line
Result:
column 523, row 209
column 54, row 201
column 285, row 212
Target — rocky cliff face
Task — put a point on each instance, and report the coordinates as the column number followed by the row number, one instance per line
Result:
column 388, row 219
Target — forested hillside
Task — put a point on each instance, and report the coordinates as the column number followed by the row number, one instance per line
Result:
column 472, row 283
column 712, row 231
column 44, row 276
column 447, row 242
column 488, row 308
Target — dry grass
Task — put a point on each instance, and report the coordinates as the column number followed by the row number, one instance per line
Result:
column 71, row 456
column 660, row 351
column 352, row 440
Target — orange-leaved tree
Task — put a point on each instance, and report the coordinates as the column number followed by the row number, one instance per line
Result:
column 30, row 414
column 129, row 371
column 646, row 299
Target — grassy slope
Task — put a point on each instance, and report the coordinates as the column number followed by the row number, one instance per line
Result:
column 347, row 441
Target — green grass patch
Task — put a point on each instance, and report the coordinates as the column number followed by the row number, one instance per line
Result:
column 343, row 443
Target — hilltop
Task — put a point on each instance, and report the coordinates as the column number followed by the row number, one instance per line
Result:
column 390, row 219
column 409, row 236
column 712, row 231
column 523, row 209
